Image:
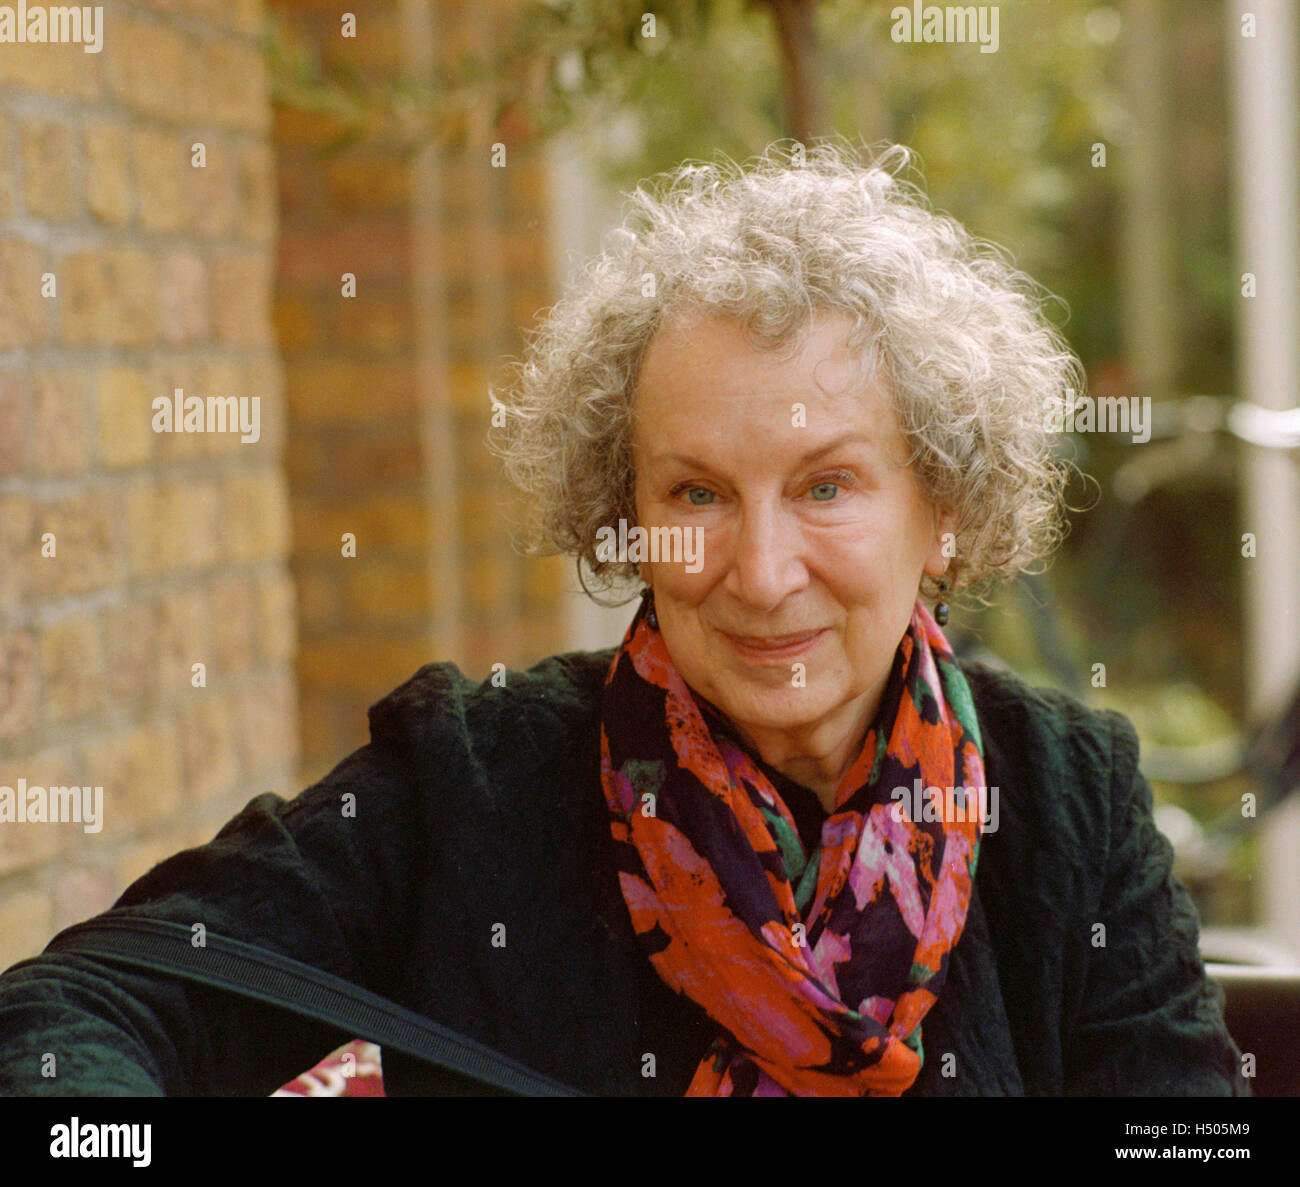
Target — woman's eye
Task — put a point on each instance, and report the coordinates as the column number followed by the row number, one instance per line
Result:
column 823, row 492
column 706, row 496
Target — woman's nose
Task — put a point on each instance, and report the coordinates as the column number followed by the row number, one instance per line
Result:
column 766, row 562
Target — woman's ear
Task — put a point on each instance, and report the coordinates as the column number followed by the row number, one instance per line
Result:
column 944, row 545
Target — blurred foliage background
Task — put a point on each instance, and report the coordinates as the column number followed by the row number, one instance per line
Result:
column 1009, row 144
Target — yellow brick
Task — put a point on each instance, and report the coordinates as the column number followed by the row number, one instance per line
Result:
column 546, row 579
column 25, row 920
column 382, row 523
column 150, row 542
column 172, row 528
column 208, row 10
column 266, row 728
column 128, row 653
column 199, row 832
column 381, row 324
column 236, row 93
column 26, row 845
column 154, row 69
column 525, row 256
column 331, row 725
column 108, row 184
column 368, row 180
column 72, row 668
column 320, row 593
column 124, row 417
column 258, row 217
column 194, row 520
column 277, row 619
column 60, row 69
column 19, row 682
column 490, row 583
column 60, row 433
column 391, row 592
column 214, row 188
column 183, row 297
column 139, row 769
column 108, row 297
column 231, row 643
column 297, row 128
column 8, row 172
column 224, row 377
column 245, row 16
column 51, row 176
column 483, row 643
column 256, row 517
column 379, row 45
column 324, row 391
column 15, row 399
column 263, row 375
column 207, row 743
column 143, row 534
column 469, row 383
column 25, row 321
column 298, row 323
column 183, row 623
column 376, row 664
column 241, row 297
column 87, row 555
column 241, row 16
column 169, row 372
column 18, row 546
column 486, row 518
column 160, row 158
column 81, row 893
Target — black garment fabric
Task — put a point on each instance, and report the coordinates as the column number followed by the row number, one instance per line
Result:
column 461, row 864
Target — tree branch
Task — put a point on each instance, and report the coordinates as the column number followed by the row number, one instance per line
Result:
column 802, row 75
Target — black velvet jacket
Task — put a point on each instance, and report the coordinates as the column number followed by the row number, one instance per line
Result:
column 477, row 806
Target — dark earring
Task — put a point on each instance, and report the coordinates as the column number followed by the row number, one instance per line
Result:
column 941, row 609
column 652, row 619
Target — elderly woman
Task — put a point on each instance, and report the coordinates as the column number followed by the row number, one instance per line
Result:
column 780, row 841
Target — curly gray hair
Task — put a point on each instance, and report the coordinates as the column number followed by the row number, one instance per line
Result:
column 972, row 361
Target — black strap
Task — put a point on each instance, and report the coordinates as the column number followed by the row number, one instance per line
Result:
column 221, row 963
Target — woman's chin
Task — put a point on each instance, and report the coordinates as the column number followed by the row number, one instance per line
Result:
column 753, row 706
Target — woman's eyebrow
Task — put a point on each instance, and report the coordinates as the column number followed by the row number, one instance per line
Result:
column 686, row 459
column 852, row 437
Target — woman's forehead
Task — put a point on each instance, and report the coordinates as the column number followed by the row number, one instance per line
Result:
column 740, row 431
column 710, row 371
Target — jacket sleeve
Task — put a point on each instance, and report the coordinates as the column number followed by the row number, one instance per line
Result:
column 1149, row 1022
column 322, row 878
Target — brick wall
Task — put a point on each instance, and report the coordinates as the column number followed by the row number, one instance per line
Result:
column 169, row 549
column 387, row 389
column 172, row 550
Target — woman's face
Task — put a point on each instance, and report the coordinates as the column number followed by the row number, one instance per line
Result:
column 814, row 533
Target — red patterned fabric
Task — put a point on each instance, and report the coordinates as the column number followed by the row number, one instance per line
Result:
column 817, row 967
column 355, row 1069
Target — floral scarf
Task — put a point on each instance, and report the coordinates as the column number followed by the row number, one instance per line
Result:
column 816, row 967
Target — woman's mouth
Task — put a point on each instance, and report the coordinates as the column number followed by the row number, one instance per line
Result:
column 773, row 648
